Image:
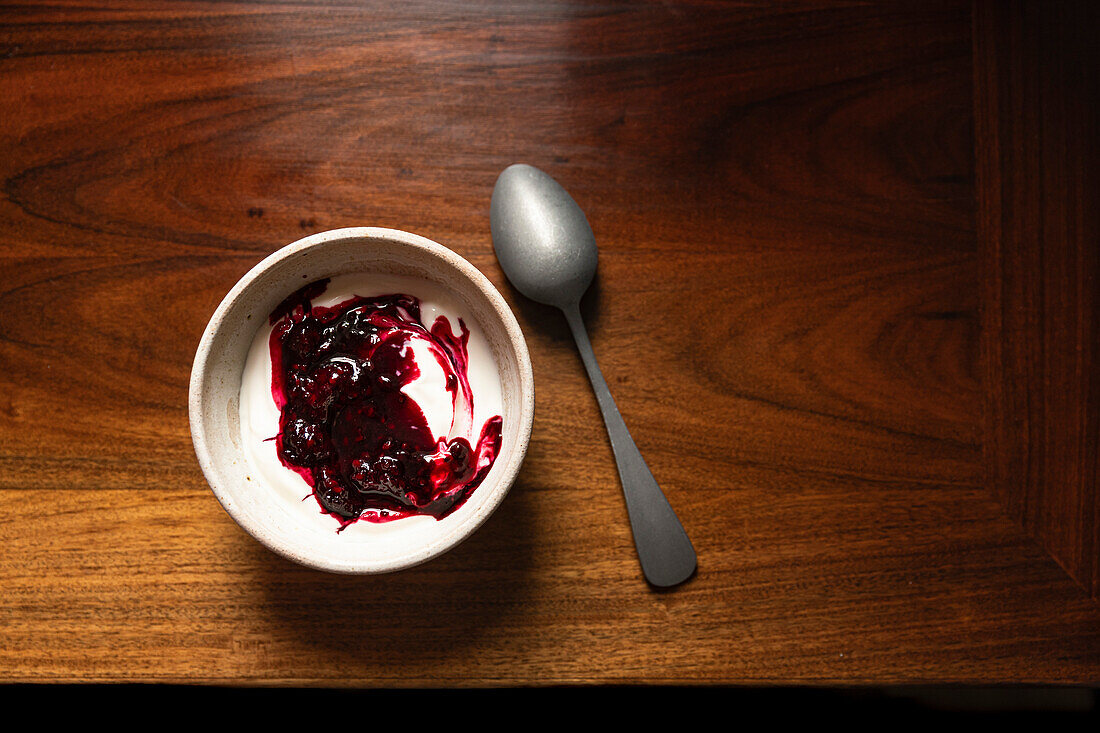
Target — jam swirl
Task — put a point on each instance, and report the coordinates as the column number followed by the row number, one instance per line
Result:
column 346, row 426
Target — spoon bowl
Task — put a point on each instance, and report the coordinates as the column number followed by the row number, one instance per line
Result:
column 542, row 238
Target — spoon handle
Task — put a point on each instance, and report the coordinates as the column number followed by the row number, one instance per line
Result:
column 664, row 549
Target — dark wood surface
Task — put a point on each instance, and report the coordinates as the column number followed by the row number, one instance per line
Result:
column 1037, row 105
column 793, row 311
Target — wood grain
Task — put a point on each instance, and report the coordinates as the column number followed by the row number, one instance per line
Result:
column 787, row 311
column 1038, row 101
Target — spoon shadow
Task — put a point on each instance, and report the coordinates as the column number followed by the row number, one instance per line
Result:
column 548, row 320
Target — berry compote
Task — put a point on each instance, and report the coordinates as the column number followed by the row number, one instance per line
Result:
column 346, row 424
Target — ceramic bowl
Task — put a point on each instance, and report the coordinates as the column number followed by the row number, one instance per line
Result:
column 297, row 529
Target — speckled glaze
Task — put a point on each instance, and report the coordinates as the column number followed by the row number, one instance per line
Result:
column 216, row 379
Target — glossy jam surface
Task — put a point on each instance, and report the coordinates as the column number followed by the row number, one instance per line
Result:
column 347, row 423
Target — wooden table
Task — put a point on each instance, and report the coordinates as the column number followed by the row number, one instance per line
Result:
column 848, row 303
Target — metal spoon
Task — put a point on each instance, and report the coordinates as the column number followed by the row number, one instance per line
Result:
column 548, row 252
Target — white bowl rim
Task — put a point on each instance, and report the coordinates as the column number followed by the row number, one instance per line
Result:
column 499, row 490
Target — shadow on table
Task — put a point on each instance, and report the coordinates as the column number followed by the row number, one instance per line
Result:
column 432, row 612
column 548, row 320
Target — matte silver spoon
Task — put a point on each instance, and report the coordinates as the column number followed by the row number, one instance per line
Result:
column 548, row 252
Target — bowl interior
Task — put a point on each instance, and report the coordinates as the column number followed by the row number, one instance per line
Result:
column 298, row 529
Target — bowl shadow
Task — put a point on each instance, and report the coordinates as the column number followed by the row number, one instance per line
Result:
column 427, row 614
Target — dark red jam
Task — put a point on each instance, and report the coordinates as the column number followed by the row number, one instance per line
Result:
column 345, row 424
